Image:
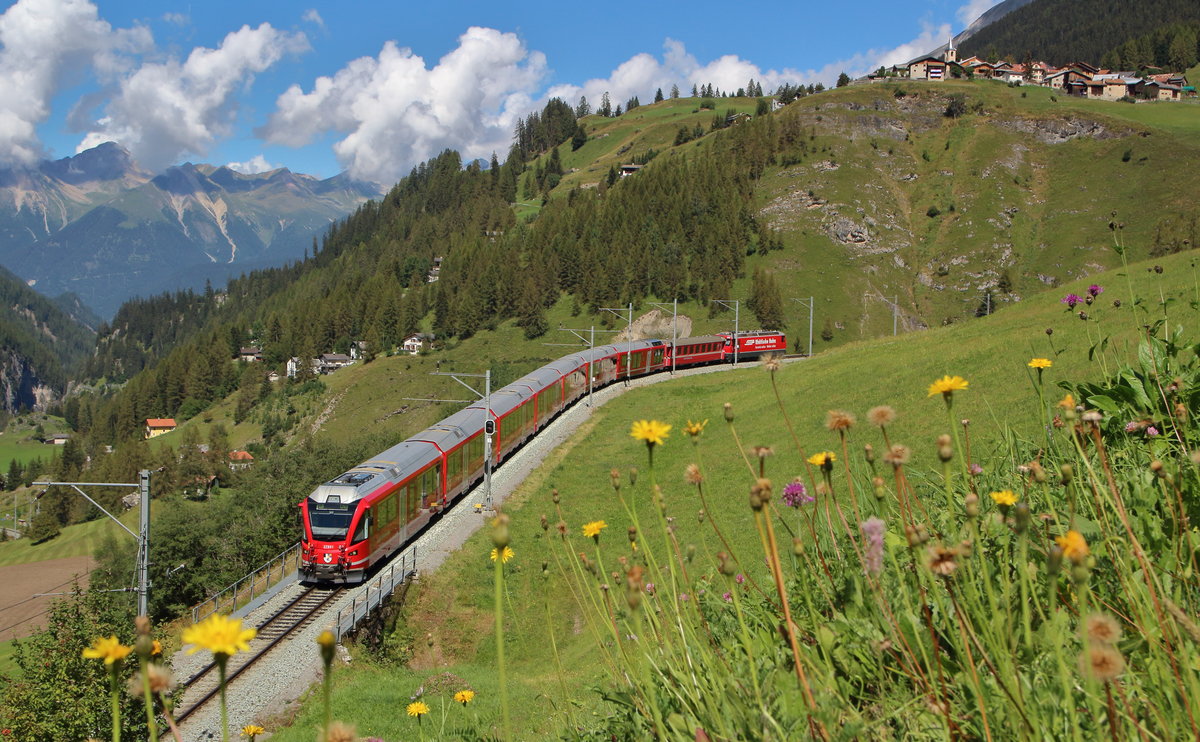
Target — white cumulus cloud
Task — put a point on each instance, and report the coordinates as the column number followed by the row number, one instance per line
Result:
column 643, row 74
column 44, row 45
column 312, row 16
column 395, row 110
column 165, row 110
column 255, row 165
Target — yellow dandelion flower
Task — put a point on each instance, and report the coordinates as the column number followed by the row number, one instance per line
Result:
column 417, row 709
column 1073, row 545
column 156, row 647
column 593, row 529
column 948, row 385
column 693, row 429
column 823, row 458
column 508, row 554
column 1040, row 363
column 1067, row 402
column 218, row 634
column 464, row 696
column 110, row 650
column 651, row 431
column 1005, row 498
column 252, row 731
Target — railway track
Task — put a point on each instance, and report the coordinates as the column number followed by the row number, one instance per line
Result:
column 302, row 611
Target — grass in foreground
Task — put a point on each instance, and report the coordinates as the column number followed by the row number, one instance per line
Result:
column 446, row 624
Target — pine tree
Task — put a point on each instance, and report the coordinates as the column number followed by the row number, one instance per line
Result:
column 658, row 96
column 674, row 91
column 605, row 108
column 582, row 109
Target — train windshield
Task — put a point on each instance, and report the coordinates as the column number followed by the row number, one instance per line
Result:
column 329, row 520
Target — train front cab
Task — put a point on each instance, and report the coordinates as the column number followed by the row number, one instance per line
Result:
column 336, row 527
column 362, row 516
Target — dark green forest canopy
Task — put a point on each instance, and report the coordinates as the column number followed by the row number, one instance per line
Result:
column 1063, row 31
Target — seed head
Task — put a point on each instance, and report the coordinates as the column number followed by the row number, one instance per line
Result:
column 898, row 455
column 883, row 415
column 1101, row 662
column 838, row 420
column 1102, row 628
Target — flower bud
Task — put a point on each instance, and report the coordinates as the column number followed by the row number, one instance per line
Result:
column 1156, row 466
column 728, row 412
column 691, row 552
column 971, row 505
column 880, row 490
column 1080, row 573
column 1038, row 471
column 763, row 486
column 797, row 547
column 328, row 644
column 756, row 503
column 1054, row 559
column 912, row 537
column 945, row 453
column 1021, row 517
column 700, row 514
column 545, row 523
column 554, row 496
column 1067, row 473
column 869, row 453
column 632, row 534
column 500, row 535
column 633, row 476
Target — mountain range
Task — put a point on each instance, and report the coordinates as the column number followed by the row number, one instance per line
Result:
column 99, row 226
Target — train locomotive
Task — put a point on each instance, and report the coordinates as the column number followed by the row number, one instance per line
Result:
column 364, row 515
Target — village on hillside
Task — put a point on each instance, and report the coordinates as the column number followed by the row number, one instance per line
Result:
column 1078, row 78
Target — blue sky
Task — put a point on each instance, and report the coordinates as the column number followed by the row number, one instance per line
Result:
column 375, row 87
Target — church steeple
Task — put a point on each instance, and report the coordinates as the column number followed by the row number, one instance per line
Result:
column 951, row 54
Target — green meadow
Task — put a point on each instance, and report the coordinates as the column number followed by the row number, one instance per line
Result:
column 555, row 647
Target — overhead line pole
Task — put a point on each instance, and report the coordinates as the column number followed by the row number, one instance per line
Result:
column 811, row 304
column 143, row 535
column 489, row 421
column 674, row 325
column 736, row 306
column 629, row 329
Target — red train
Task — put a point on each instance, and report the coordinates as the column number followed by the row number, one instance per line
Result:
column 361, row 517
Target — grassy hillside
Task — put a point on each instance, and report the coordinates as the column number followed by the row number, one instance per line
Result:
column 882, row 198
column 445, row 629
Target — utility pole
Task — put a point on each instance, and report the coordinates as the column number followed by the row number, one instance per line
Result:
column 674, row 326
column 489, row 420
column 629, row 329
column 811, row 304
column 736, row 305
column 142, row 537
column 590, row 341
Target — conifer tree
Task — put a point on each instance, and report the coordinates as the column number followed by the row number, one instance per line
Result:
column 658, row 96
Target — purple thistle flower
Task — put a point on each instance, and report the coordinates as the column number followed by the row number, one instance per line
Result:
column 1151, row 432
column 872, row 530
column 1131, row 427
column 975, row 469
column 1071, row 300
column 683, row 597
column 795, row 494
column 649, row 588
column 1095, row 290
column 740, row 578
column 727, row 597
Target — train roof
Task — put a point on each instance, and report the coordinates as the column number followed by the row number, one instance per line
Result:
column 394, row 464
column 505, row 400
column 701, row 339
column 540, row 379
column 453, row 430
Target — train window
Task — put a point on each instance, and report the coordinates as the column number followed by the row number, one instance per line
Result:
column 364, row 527
column 329, row 521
